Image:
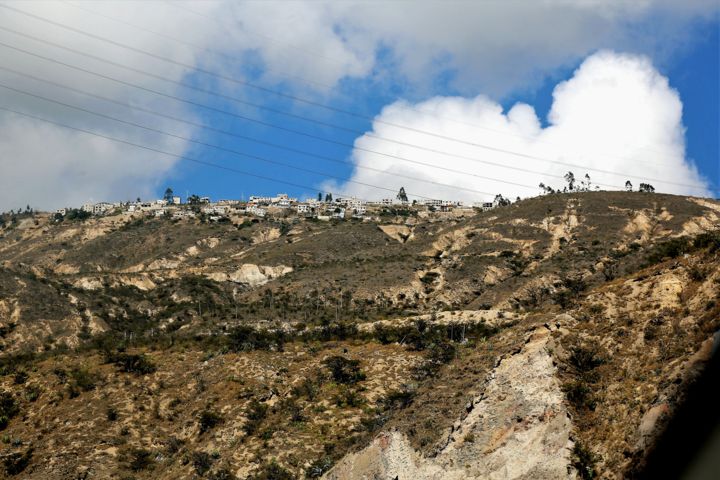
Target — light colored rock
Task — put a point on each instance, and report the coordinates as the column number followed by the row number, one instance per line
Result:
column 88, row 283
column 519, row 429
column 266, row 235
column 401, row 233
column 495, row 274
column 255, row 275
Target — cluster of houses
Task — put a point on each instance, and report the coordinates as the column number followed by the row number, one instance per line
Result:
column 281, row 204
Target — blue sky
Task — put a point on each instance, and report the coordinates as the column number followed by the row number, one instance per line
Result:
column 693, row 70
column 460, row 96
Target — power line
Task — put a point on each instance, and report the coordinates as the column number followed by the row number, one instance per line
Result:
column 290, row 96
column 332, row 125
column 175, row 155
column 287, row 129
column 235, row 152
column 190, row 44
column 308, row 53
column 232, row 151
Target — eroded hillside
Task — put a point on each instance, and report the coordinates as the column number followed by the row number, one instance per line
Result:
column 553, row 337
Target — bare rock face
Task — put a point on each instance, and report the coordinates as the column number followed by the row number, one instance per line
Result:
column 256, row 275
column 518, row 428
column 401, row 233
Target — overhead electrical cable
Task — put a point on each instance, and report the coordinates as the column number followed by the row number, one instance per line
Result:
column 286, row 129
column 235, row 152
column 291, row 97
column 220, row 95
column 176, row 155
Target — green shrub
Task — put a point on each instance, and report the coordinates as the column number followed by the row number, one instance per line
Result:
column 399, row 398
column 111, row 414
column 585, row 358
column 579, row 395
column 128, row 363
column 584, row 461
column 140, row 459
column 319, row 467
column 202, row 462
column 272, row 471
column 348, row 397
column 344, row 370
column 255, row 415
column 223, row 474
column 20, row 377
column 8, row 408
column 16, row 462
column 208, row 420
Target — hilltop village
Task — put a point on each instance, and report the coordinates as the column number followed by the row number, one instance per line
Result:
column 324, row 208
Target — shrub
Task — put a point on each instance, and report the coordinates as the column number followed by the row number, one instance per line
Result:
column 308, row 388
column 255, row 414
column 201, row 461
column 243, row 338
column 399, row 398
column 20, row 377
column 585, row 358
column 708, row 239
column 579, row 395
column 140, row 459
column 111, row 414
column 348, row 397
column 209, row 419
column 173, row 445
column 344, row 370
column 584, row 461
column 669, row 249
column 223, row 474
column 15, row 463
column 81, row 379
column 8, row 408
column 128, row 363
column 272, row 471
column 319, row 467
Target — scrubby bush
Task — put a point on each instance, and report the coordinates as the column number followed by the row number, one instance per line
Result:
column 129, row 363
column 202, row 462
column 344, row 370
column 584, row 461
column 580, row 395
column 272, row 471
column 16, row 462
column 81, row 379
column 255, row 415
column 8, row 408
column 140, row 459
column 585, row 358
column 348, row 397
column 208, row 420
column 20, row 377
column 399, row 399
column 319, row 467
column 111, row 414
column 223, row 474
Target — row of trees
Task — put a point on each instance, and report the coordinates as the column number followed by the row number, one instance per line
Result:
column 585, row 185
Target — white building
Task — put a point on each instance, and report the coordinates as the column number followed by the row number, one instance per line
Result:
column 257, row 211
column 100, row 208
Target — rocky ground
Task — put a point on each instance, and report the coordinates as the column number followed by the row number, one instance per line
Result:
column 552, row 338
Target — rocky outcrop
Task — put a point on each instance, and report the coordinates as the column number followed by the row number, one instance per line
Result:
column 401, row 233
column 518, row 428
column 251, row 275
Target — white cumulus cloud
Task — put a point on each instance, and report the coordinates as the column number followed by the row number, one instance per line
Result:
column 616, row 119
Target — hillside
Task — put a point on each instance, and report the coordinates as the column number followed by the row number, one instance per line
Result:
column 550, row 338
